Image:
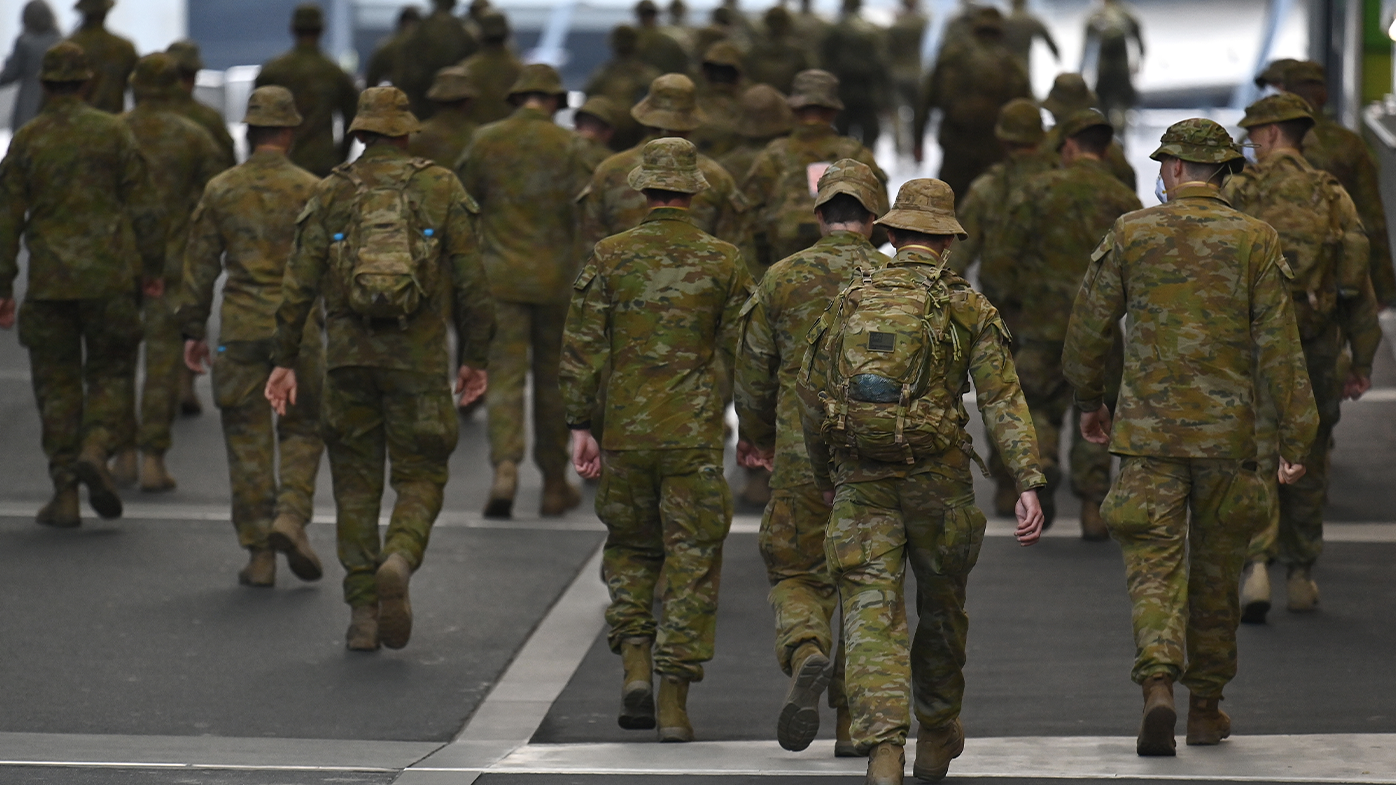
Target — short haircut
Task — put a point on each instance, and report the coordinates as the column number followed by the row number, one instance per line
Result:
column 258, row 135
column 1094, row 140
column 842, row 209
column 659, row 194
column 907, row 236
column 1206, row 173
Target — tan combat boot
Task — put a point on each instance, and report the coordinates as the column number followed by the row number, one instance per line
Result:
column 189, row 404
column 124, row 467
column 1302, row 590
column 154, row 477
column 506, row 484
column 935, row 748
column 673, row 709
column 810, row 670
column 260, row 570
column 92, row 471
column 886, row 764
column 637, row 686
column 1093, row 527
column 559, row 496
column 1207, row 723
column 1156, row 730
column 288, row 536
column 843, row 734
column 1255, row 592
column 363, row 629
column 62, row 510
column 394, row 605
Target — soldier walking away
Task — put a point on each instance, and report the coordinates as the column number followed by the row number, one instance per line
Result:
column 186, row 55
column 1109, row 29
column 384, row 61
column 321, row 88
column 595, row 122
column 243, row 226
column 811, row 29
column 904, row 39
column 389, row 242
column 440, row 39
column 1068, row 96
column 883, row 423
column 1054, row 222
column 27, row 59
column 1323, row 243
column 787, row 303
column 493, row 69
column 526, row 172
column 665, row 503
column 1020, row 29
column 765, row 117
column 1205, row 287
column 81, row 315
column 719, row 100
column 855, row 51
column 112, row 57
column 653, row 46
column 678, row 27
column 445, row 136
column 623, row 79
column 775, row 58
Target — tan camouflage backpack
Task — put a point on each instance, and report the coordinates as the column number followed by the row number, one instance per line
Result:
column 388, row 254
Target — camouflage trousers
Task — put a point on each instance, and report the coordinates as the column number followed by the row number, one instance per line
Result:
column 667, row 513
column 1184, row 525
column 968, row 153
column 803, row 593
column 1049, row 399
column 409, row 418
column 240, row 371
column 82, row 360
column 164, row 357
column 876, row 526
column 528, row 338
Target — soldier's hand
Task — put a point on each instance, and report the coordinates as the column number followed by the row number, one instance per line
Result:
column 586, row 454
column 1355, row 386
column 281, row 389
column 1290, row 472
column 197, row 356
column 828, row 498
column 154, row 288
column 471, row 383
column 7, row 313
column 1030, row 518
column 752, row 457
column 1095, row 426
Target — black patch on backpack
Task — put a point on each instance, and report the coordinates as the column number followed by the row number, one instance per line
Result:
column 881, row 342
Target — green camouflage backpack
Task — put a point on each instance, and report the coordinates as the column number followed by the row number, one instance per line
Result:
column 387, row 253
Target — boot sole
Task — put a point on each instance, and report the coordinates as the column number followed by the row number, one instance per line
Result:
column 499, row 509
column 799, row 717
column 304, row 564
column 675, row 735
column 101, row 492
column 935, row 775
column 1156, row 733
column 846, row 749
column 394, row 605
column 46, row 519
column 637, row 708
column 1209, row 738
column 1254, row 612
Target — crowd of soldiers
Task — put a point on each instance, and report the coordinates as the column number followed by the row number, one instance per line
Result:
column 727, row 253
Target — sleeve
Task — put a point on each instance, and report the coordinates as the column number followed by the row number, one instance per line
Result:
column 301, row 282
column 203, row 262
column 1090, row 334
column 591, row 217
column 729, row 326
column 1018, row 231
column 756, row 380
column 759, row 181
column 13, row 207
column 1357, row 302
column 473, row 298
column 1002, row 405
column 143, row 202
column 1280, row 355
column 1046, row 36
column 586, row 345
column 808, row 388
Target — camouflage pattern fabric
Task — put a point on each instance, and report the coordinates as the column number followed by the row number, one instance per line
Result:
column 624, row 80
column 208, row 119
column 739, row 159
column 439, row 40
column 904, row 54
column 855, row 51
column 443, row 138
column 775, row 61
column 803, row 594
column 662, row 52
column 383, row 63
column 1111, row 26
column 1114, row 157
column 720, row 105
column 112, row 58
column 494, row 69
column 528, row 340
column 1343, row 154
column 321, row 88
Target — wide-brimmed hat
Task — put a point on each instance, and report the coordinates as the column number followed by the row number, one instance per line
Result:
column 65, row 61
column 1201, row 141
column 669, row 164
column 153, row 75
column 723, row 53
column 1080, row 121
column 855, row 178
column 1274, row 73
column 186, row 55
column 670, row 105
column 1277, row 108
column 1304, row 71
column 1069, row 94
column 601, row 108
column 539, row 78
column 764, row 113
column 272, row 106
column 1020, row 122
column 452, row 83
column 815, row 88
column 386, row 111
column 924, row 205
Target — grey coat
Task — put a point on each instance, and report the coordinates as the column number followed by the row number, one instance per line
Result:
column 24, row 63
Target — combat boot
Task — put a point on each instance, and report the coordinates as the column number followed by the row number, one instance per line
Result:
column 935, row 748
column 288, row 536
column 1156, row 730
column 637, row 687
column 1093, row 528
column 506, row 484
column 260, row 570
column 1207, row 723
column 673, row 709
column 394, row 605
column 757, row 492
column 189, row 403
column 799, row 717
column 886, row 764
column 559, row 496
column 62, row 510
column 1006, row 499
column 363, row 629
column 843, row 734
column 124, row 468
column 1255, row 593
column 91, row 469
column 154, row 477
column 1302, row 590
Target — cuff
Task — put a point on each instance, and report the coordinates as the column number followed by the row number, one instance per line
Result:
column 579, row 426
column 1090, row 404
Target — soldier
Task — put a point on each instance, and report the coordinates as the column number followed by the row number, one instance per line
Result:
column 720, row 27
column 1051, row 256
column 811, row 29
column 1342, row 153
column 969, row 85
column 474, row 13
column 321, row 88
column 446, row 135
column 777, row 187
column 384, row 60
column 595, row 122
column 623, row 79
column 913, row 499
column 653, row 46
column 112, row 57
column 1323, row 243
column 244, row 224
column 1207, row 292
column 663, row 498
column 386, row 350
column 1068, row 96
column 904, row 39
column 1020, row 28
column 186, row 56
column 787, row 303
column 775, row 58
column 765, row 117
column 719, row 96
column 494, row 69
column 678, row 28
column 854, row 52
column 1109, row 28
column 182, row 157
column 526, row 171
column 960, row 29
column 441, row 39
column 80, row 320
column 1273, row 77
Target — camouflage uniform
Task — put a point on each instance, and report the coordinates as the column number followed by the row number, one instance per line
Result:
column 493, row 69
column 1068, row 96
column 663, row 498
column 904, row 55
column 386, row 384
column 1211, row 320
column 1111, row 27
column 811, row 29
column 384, row 61
column 1019, row 30
column 855, row 52
column 765, row 116
column 602, row 110
column 623, row 79
column 446, row 135
column 654, row 47
column 439, row 40
column 112, row 57
column 775, row 58
column 321, row 88
column 886, row 514
column 719, row 103
column 182, row 102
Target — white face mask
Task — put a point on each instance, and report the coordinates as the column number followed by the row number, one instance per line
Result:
column 1160, row 191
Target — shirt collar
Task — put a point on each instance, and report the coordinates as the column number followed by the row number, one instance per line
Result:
column 916, row 254
column 669, row 214
column 1197, row 191
column 383, row 152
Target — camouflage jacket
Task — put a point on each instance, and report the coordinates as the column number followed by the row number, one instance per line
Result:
column 970, row 84
column 244, row 223
column 443, row 138
column 1114, row 158
column 113, row 58
column 904, row 45
column 855, row 51
column 739, row 159
column 83, row 241
column 775, row 321
column 525, row 172
column 722, row 111
column 658, row 303
column 776, row 61
column 983, row 213
column 1206, row 289
column 1019, row 30
column 1323, row 243
column 1054, row 222
column 321, row 88
column 439, row 40
column 1342, row 153
column 494, row 69
column 986, row 358
column 661, row 51
column 208, row 119
column 624, row 80
column 461, row 291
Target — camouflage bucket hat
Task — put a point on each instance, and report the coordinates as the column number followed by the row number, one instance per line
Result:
column 1274, row 73
column 1069, row 94
column 723, row 53
column 764, row 113
column 669, row 164
column 815, row 88
column 926, row 206
column 1305, row 71
column 601, row 108
column 65, row 62
column 538, row 78
column 452, row 83
column 1199, row 140
column 1277, row 109
column 671, row 105
column 494, row 26
column 386, row 111
column 1080, row 121
column 272, row 106
column 93, row 6
column 308, row 17
column 186, row 56
column 154, row 74
column 1020, row 122
column 847, row 176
